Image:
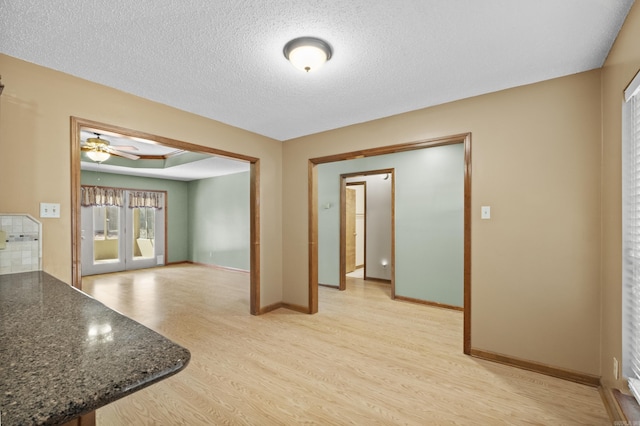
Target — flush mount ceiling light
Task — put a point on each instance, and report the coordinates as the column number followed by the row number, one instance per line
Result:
column 307, row 53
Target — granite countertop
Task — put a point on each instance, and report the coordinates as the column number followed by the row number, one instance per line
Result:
column 64, row 354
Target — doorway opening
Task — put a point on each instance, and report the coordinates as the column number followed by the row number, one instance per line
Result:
column 355, row 228
column 463, row 139
column 79, row 125
column 371, row 219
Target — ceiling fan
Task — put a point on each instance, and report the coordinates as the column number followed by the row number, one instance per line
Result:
column 100, row 150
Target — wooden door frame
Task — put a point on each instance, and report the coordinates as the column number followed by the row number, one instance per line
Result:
column 343, row 233
column 465, row 139
column 78, row 124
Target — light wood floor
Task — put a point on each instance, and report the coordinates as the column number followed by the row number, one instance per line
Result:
column 363, row 360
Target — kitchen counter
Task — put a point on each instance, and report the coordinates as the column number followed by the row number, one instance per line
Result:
column 63, row 354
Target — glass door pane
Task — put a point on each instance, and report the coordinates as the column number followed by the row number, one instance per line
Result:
column 106, row 233
column 143, row 232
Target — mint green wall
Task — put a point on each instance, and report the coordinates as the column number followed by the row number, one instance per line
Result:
column 219, row 220
column 429, row 220
column 177, row 200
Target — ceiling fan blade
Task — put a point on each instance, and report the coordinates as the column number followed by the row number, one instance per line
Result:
column 123, row 154
column 125, row 147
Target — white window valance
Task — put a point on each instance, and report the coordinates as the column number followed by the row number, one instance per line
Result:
column 101, row 196
column 151, row 199
column 107, row 196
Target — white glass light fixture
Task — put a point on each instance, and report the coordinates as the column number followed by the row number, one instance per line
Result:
column 98, row 156
column 307, row 53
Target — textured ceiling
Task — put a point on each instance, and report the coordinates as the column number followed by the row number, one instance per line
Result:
column 223, row 59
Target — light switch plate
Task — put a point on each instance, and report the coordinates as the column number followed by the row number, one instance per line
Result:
column 485, row 212
column 49, row 210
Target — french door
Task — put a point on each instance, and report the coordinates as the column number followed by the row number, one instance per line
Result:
column 119, row 238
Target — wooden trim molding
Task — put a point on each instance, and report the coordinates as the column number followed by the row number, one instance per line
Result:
column 219, row 267
column 393, row 235
column 313, row 237
column 466, row 343
column 254, row 237
column 343, row 234
column 392, row 149
column 561, row 373
column 179, row 262
column 77, row 124
column 88, row 419
column 289, row 306
column 428, row 303
column 612, row 404
column 269, row 308
column 296, row 308
column 96, row 126
column 76, row 231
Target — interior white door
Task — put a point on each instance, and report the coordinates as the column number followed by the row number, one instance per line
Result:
column 121, row 238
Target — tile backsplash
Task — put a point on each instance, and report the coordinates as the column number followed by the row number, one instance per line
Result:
column 22, row 250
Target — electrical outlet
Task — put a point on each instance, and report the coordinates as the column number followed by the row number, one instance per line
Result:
column 616, row 368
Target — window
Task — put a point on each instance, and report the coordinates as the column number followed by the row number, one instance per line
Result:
column 631, row 235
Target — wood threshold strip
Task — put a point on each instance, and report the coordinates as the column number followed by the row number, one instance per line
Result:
column 572, row 376
column 428, row 303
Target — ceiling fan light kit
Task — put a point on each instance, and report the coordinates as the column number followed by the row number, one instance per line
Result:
column 98, row 156
column 307, row 53
column 100, row 150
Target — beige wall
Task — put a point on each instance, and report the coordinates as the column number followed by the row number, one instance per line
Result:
column 536, row 162
column 621, row 65
column 35, row 154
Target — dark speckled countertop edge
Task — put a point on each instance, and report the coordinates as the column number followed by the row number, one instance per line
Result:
column 65, row 354
column 81, row 410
